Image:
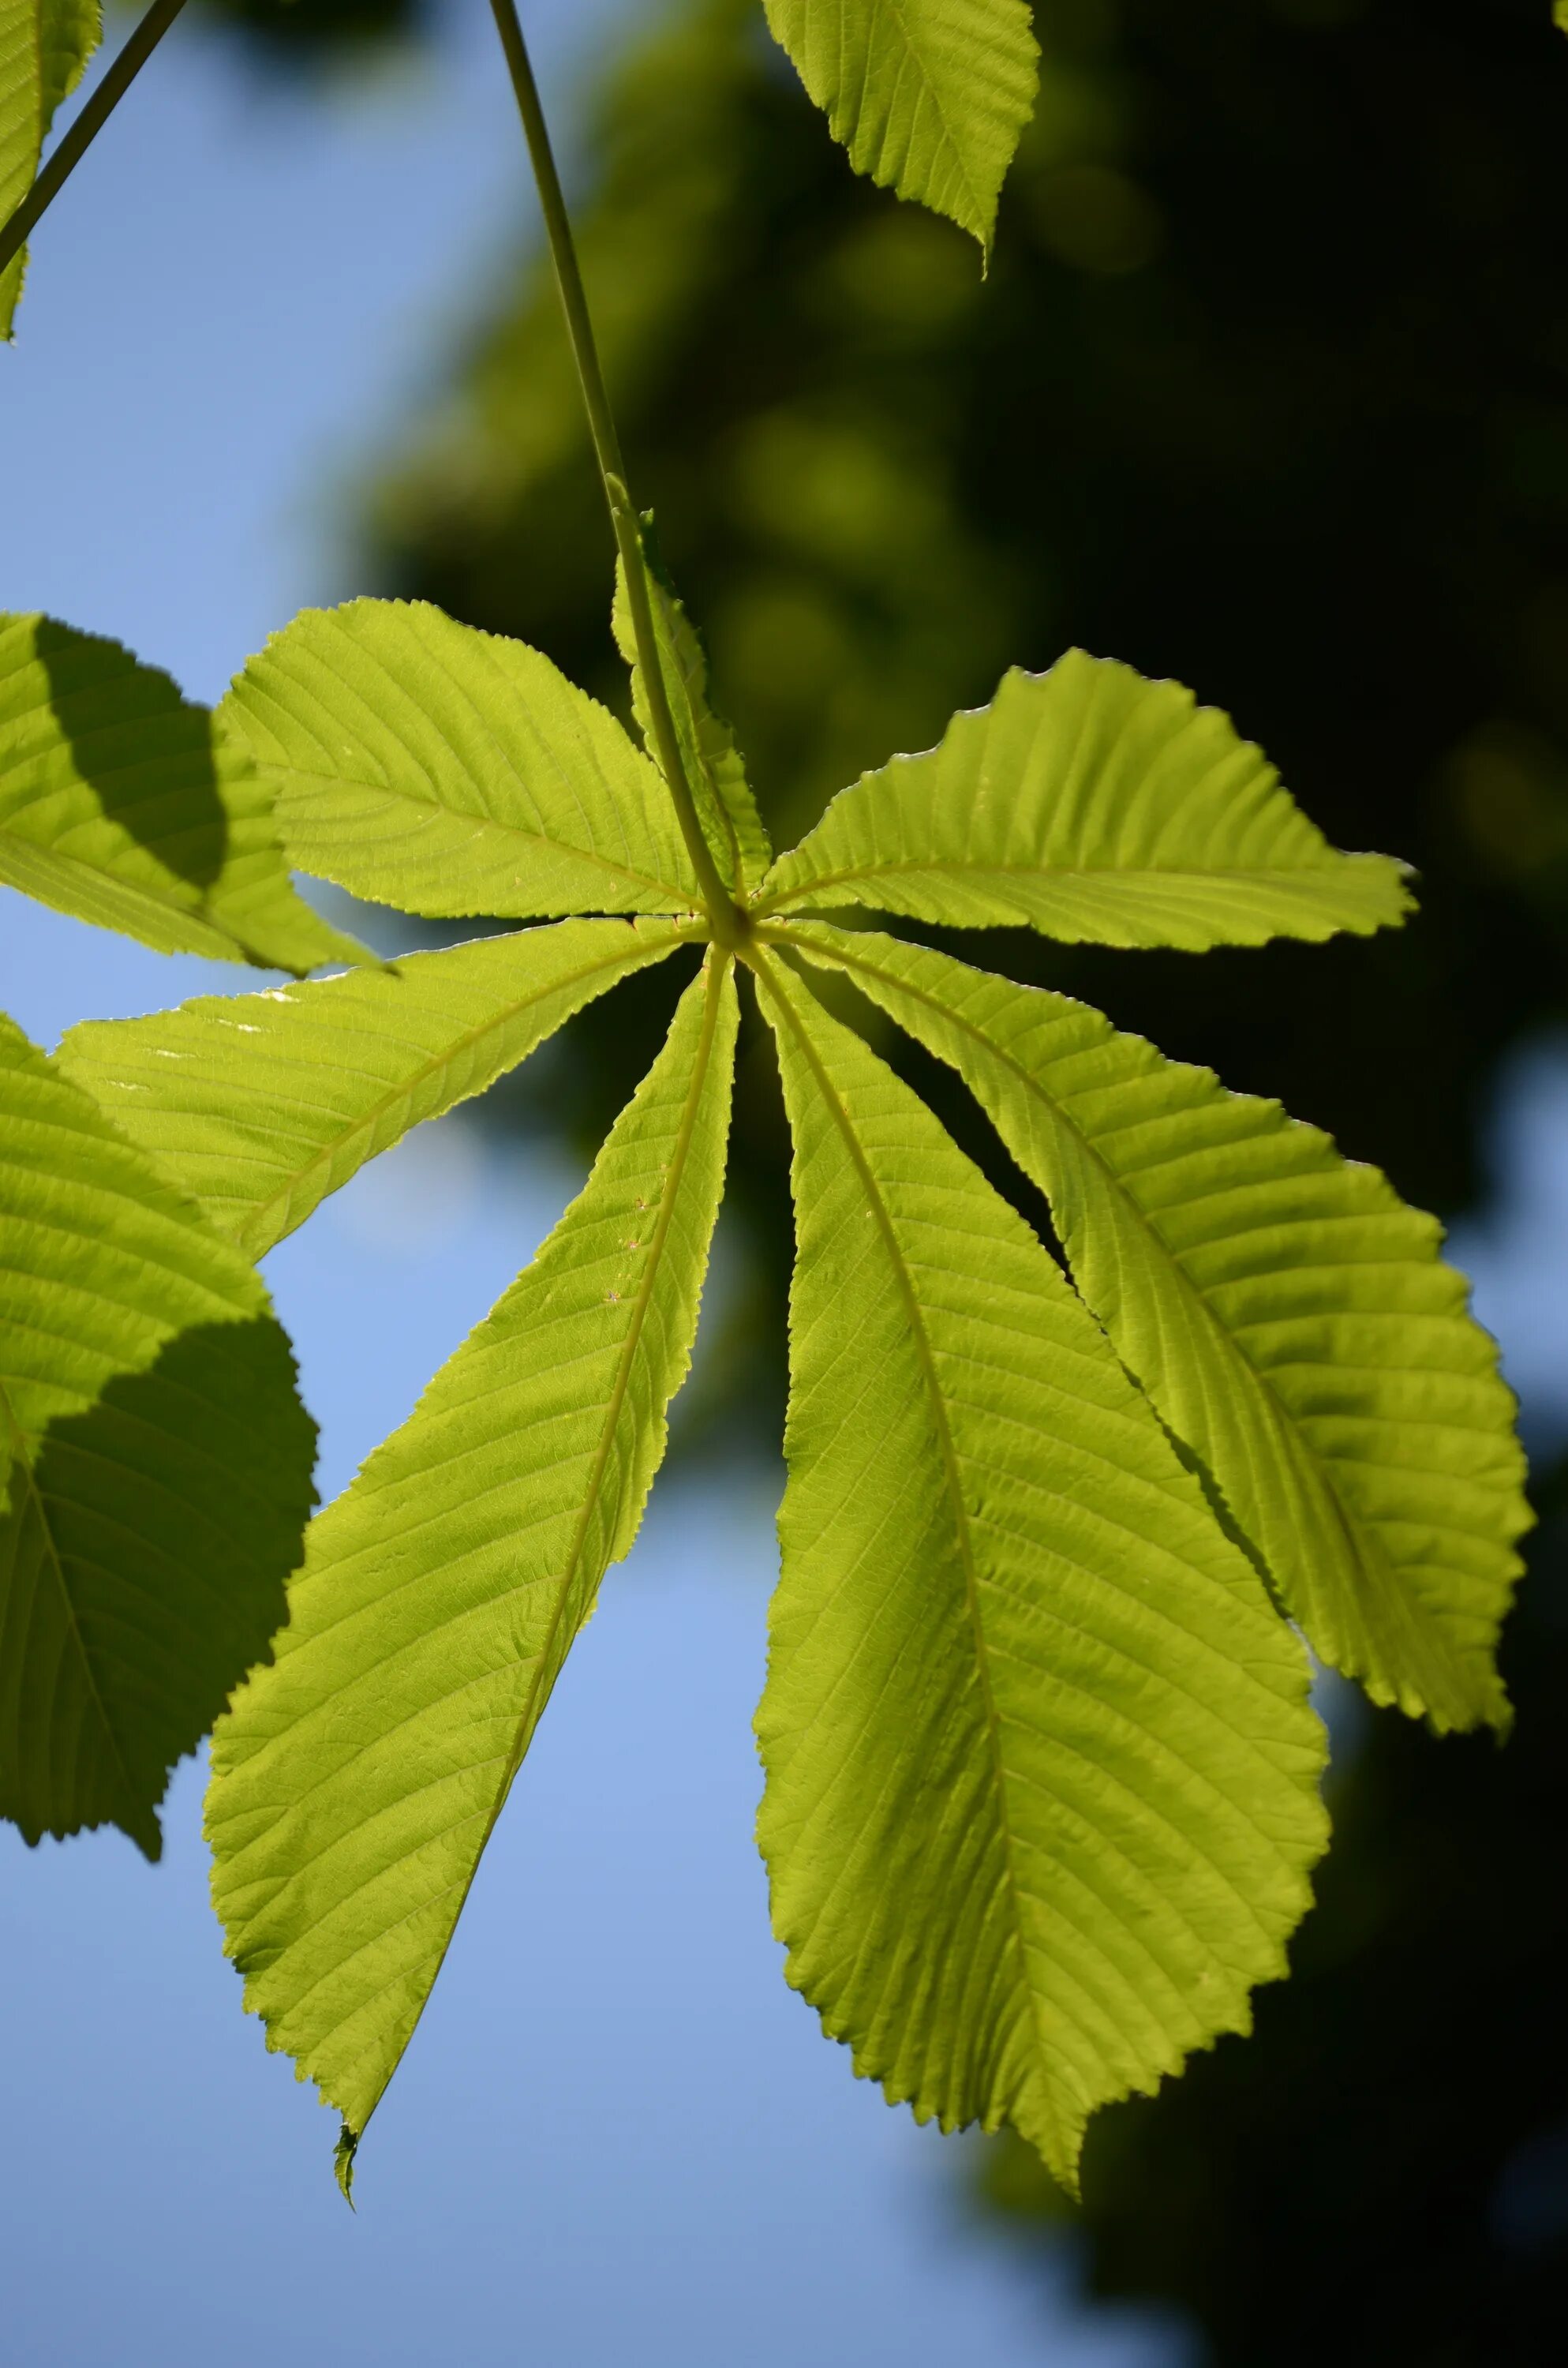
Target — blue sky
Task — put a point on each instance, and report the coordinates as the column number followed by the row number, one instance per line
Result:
column 618, row 2138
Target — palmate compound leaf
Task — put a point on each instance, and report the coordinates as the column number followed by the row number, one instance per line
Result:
column 1040, row 1773
column 157, row 1465
column 44, row 47
column 357, row 1780
column 930, row 97
column 733, row 828
column 121, row 804
column 422, row 764
column 1090, row 805
column 261, row 1105
column 1288, row 1316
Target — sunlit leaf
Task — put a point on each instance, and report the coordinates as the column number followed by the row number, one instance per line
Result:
column 928, row 96
column 120, row 804
column 260, row 1105
column 1040, row 1795
column 715, row 766
column 1089, row 804
column 157, row 1465
column 1288, row 1313
column 357, row 1780
column 450, row 771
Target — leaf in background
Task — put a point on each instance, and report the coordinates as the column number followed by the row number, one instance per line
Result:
column 448, row 771
column 1288, row 1313
column 1041, row 1776
column 1089, row 804
column 730, row 823
column 930, row 97
column 356, row 1781
column 44, row 47
column 121, row 804
column 261, row 1105
column 159, row 1465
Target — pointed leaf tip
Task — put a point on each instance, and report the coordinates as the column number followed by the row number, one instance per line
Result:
column 357, row 1778
column 343, row 2156
column 929, row 97
column 1091, row 804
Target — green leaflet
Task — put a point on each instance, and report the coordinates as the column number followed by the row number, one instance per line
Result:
column 450, row 771
column 1089, row 804
column 260, row 1105
column 158, row 1463
column 119, row 803
column 44, row 47
column 1041, row 1797
column 357, row 1781
column 730, row 823
column 930, row 97
column 1290, row 1316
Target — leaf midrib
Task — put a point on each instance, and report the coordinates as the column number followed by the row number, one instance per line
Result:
column 246, row 1235
column 1364, row 1550
column 682, row 900
column 529, row 1713
column 766, row 973
column 197, row 918
column 949, row 137
column 1175, row 876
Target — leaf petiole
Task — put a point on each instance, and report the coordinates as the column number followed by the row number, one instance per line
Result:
column 730, row 923
column 54, row 176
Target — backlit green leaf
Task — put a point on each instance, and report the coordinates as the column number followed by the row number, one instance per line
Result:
column 1042, row 1777
column 928, row 96
column 1089, row 804
column 1288, row 1313
column 157, row 1463
column 260, row 1105
column 732, row 826
column 44, row 46
column 357, row 1780
column 122, row 804
column 449, row 772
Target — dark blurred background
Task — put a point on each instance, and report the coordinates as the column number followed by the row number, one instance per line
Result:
column 1268, row 390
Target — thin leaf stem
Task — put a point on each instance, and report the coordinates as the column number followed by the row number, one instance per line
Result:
column 730, row 924
column 123, row 70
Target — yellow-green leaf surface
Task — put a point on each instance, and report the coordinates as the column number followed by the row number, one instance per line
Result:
column 1040, row 1773
column 930, row 97
column 715, row 766
column 448, row 771
column 44, row 46
column 1090, row 805
column 121, row 804
column 157, row 1466
column 1288, row 1313
column 356, row 1781
column 260, row 1105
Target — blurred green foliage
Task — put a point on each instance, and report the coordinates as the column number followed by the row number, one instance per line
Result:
column 300, row 33
column 1268, row 390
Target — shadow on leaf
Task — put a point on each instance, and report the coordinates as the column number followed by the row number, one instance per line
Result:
column 143, row 1553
